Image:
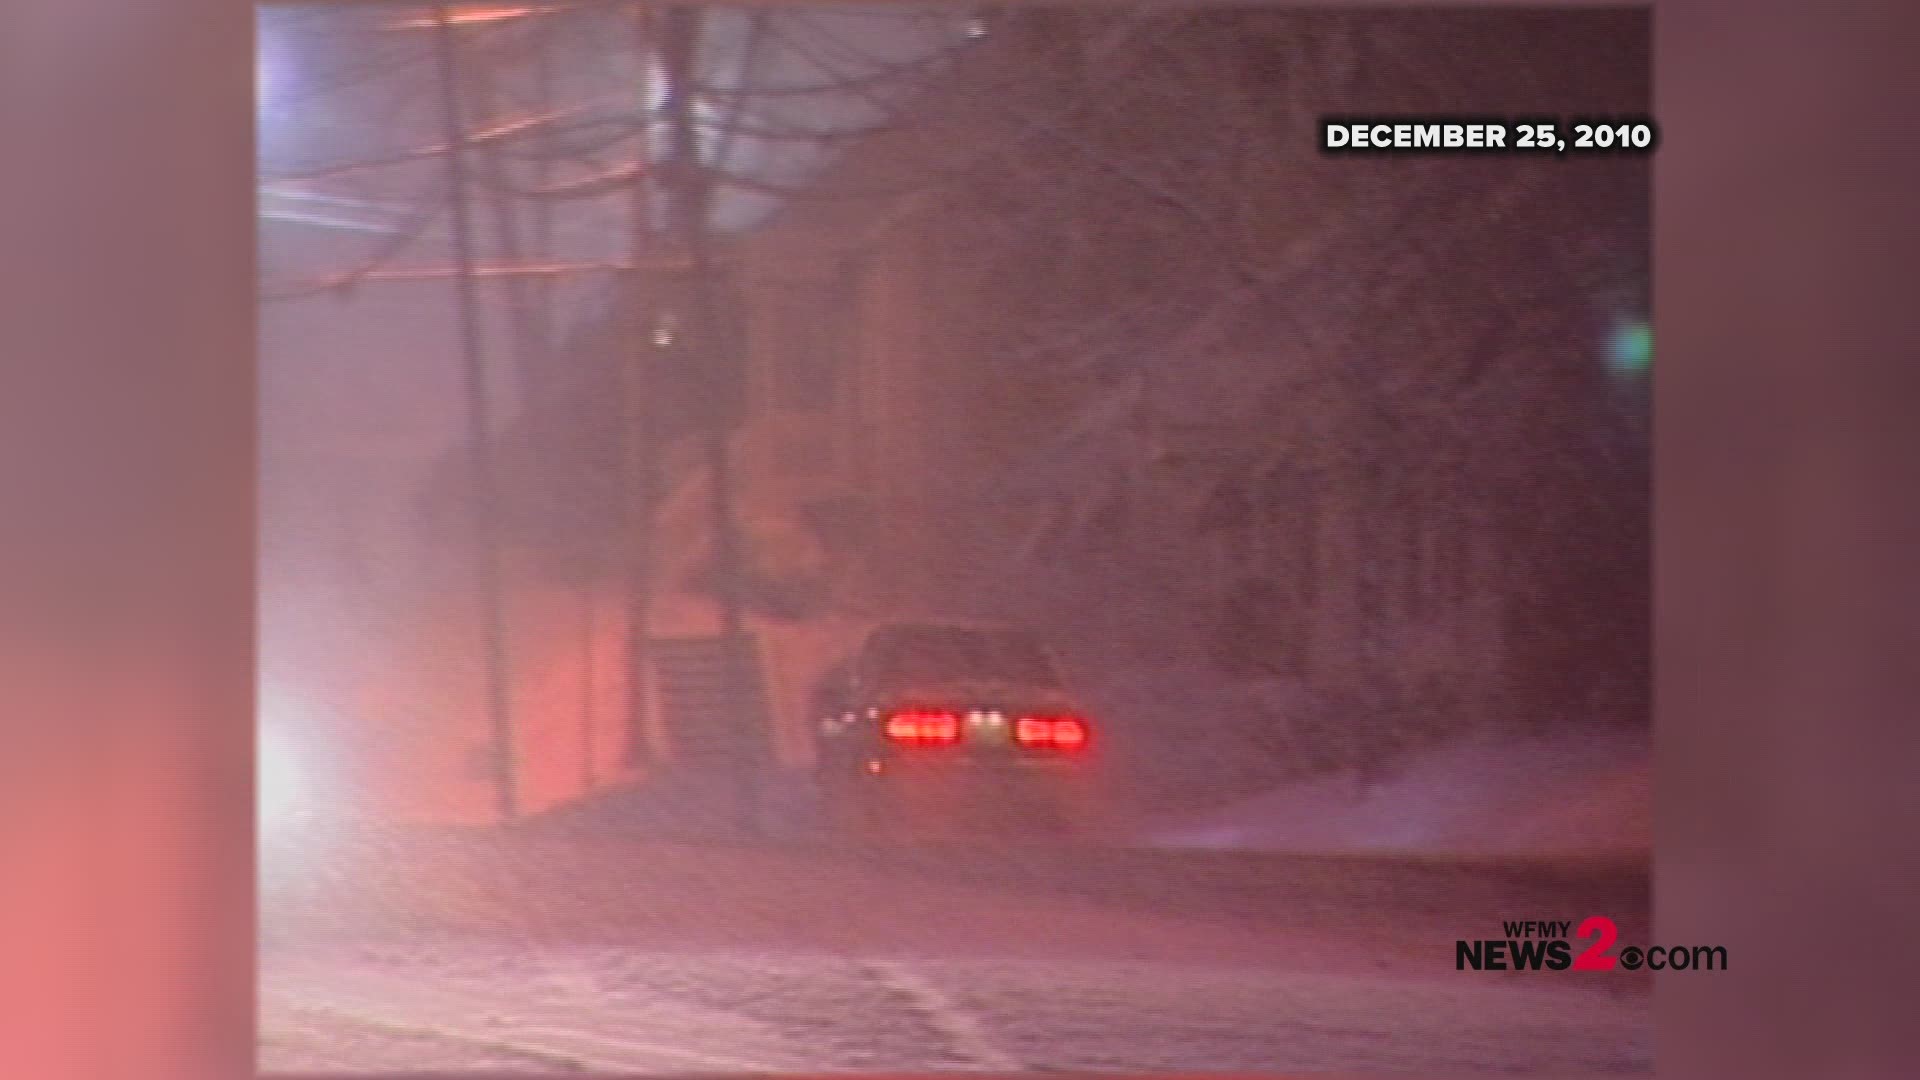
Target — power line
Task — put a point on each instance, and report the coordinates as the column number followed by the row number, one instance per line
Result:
column 510, row 130
column 424, row 214
column 518, row 141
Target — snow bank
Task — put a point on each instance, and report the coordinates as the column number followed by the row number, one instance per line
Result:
column 1585, row 793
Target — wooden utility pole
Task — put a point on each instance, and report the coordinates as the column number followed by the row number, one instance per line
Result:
column 638, row 443
column 690, row 187
column 689, row 183
column 480, row 430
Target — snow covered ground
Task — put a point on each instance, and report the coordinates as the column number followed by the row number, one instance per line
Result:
column 619, row 1010
column 594, row 945
column 1577, row 794
column 566, row 952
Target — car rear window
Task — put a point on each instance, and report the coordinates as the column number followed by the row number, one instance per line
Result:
column 904, row 654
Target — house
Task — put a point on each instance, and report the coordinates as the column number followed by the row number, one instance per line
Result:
column 828, row 452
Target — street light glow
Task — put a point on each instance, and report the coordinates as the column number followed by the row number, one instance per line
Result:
column 280, row 787
column 474, row 16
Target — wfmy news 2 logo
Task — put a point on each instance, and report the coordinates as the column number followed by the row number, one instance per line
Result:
column 1535, row 945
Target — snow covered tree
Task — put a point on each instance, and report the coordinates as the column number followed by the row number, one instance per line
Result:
column 1411, row 346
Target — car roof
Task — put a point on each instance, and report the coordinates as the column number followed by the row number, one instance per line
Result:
column 916, row 626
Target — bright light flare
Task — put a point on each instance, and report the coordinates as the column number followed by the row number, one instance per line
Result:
column 475, row 16
column 280, row 786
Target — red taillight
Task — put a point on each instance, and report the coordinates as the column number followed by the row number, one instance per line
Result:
column 1069, row 734
column 924, row 728
column 1058, row 733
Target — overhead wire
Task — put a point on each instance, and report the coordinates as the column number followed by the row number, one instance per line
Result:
column 803, row 38
column 1066, row 137
column 840, row 82
column 923, row 175
column 422, row 218
column 604, row 180
column 500, row 132
column 721, row 152
column 623, row 130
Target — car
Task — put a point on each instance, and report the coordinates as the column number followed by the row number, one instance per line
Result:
column 933, row 729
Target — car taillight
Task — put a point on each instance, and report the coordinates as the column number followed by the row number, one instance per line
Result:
column 1050, row 733
column 924, row 728
column 1069, row 734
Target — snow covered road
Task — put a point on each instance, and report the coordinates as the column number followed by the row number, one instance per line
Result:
column 624, row 1012
column 672, row 960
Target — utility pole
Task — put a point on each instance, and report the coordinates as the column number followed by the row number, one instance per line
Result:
column 689, row 184
column 691, row 195
column 480, row 434
column 638, row 444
